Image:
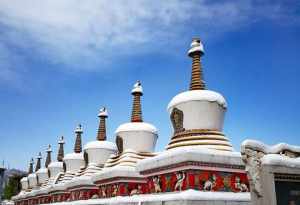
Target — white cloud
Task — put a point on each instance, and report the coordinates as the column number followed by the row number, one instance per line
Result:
column 79, row 33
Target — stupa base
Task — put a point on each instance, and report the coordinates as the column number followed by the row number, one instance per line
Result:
column 188, row 197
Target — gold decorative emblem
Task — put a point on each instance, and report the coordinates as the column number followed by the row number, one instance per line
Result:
column 119, row 142
column 177, row 120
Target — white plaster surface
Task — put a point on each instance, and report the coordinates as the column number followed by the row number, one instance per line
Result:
column 42, row 175
column 32, row 180
column 24, row 183
column 74, row 161
column 99, row 151
column 55, row 168
column 202, row 109
column 138, row 136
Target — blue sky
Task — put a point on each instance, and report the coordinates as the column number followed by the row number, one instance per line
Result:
column 60, row 61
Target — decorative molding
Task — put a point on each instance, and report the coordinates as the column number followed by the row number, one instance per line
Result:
column 177, row 120
column 252, row 159
column 119, row 142
column 192, row 163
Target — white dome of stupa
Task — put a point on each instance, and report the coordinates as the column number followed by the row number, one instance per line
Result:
column 42, row 175
column 32, row 180
column 55, row 168
column 202, row 109
column 24, row 183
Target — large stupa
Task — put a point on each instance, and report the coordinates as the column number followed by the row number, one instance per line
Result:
column 197, row 115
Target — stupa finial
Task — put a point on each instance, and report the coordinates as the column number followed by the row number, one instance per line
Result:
column 101, row 135
column 195, row 52
column 38, row 163
column 48, row 158
column 137, row 92
column 30, row 171
column 78, row 146
column 60, row 154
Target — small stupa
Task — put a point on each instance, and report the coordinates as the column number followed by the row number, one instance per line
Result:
column 95, row 155
column 135, row 141
column 42, row 173
column 32, row 179
column 43, row 177
column 74, row 161
column 47, row 162
column 72, row 164
column 24, row 180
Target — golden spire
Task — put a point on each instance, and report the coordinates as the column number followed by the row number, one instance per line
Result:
column 48, row 158
column 137, row 92
column 60, row 154
column 101, row 135
column 78, row 146
column 195, row 52
column 38, row 163
column 31, row 166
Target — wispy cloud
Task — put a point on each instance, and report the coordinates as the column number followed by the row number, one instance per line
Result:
column 80, row 33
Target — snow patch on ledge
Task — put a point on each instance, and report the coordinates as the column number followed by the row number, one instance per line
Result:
column 100, row 145
column 74, row 156
column 279, row 160
column 275, row 149
column 55, row 164
column 188, row 195
column 81, row 180
column 116, row 171
column 136, row 126
column 197, row 95
column 192, row 153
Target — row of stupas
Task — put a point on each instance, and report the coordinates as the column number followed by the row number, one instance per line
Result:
column 197, row 163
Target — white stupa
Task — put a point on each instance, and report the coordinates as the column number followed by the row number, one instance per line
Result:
column 32, row 178
column 197, row 115
column 137, row 135
column 136, row 141
column 72, row 164
column 56, row 168
column 24, row 183
column 95, row 154
column 74, row 161
column 42, row 173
